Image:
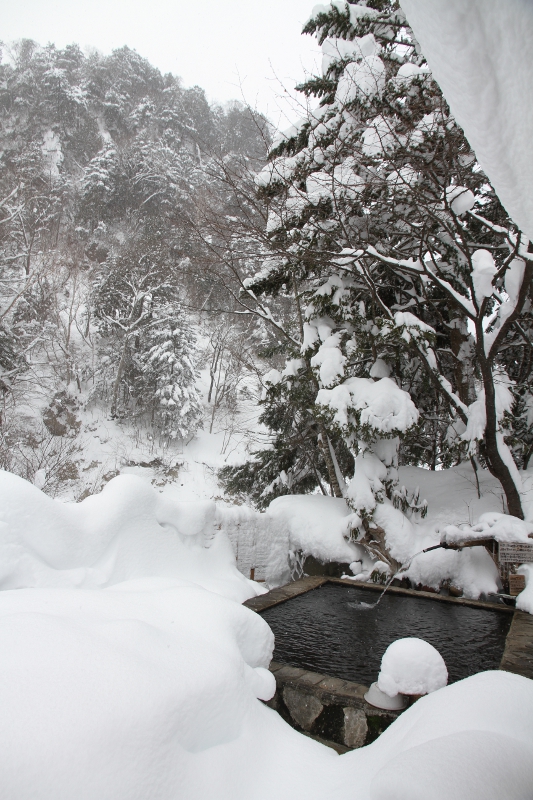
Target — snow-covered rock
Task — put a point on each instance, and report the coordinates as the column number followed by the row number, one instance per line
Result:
column 412, row 666
column 317, row 526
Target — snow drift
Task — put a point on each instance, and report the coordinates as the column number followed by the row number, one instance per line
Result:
column 150, row 690
column 117, row 692
column 127, row 531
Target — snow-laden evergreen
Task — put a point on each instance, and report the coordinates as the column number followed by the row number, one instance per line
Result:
column 168, row 373
column 396, row 248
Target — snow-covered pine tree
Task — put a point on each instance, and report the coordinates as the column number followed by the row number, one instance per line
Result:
column 167, row 372
column 295, row 460
column 99, row 186
column 376, row 201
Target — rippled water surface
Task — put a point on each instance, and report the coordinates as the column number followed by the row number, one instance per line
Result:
column 336, row 631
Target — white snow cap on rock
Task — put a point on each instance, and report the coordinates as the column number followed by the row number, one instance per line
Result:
column 412, row 666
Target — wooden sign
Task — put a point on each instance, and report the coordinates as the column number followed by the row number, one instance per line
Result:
column 517, row 584
column 515, row 553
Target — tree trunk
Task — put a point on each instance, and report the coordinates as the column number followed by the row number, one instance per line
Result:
column 375, row 542
column 495, row 462
column 463, row 372
column 324, row 447
column 118, row 378
column 323, row 438
column 338, row 473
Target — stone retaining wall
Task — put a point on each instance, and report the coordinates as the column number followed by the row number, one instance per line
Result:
column 327, row 708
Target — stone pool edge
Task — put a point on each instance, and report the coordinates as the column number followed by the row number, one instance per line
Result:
column 329, row 709
column 334, row 710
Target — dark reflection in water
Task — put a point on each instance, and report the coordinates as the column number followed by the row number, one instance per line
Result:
column 329, row 630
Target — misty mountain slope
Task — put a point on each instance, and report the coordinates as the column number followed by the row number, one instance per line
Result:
column 104, row 327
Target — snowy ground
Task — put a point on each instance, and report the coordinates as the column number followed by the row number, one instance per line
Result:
column 109, row 447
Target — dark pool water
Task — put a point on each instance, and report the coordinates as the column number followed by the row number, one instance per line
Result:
column 321, row 631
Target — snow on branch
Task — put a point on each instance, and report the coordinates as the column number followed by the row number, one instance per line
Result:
column 379, row 406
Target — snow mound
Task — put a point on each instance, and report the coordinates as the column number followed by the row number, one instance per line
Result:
column 412, row 775
column 116, row 692
column 471, row 740
column 127, row 531
column 411, row 666
column 150, row 689
column 317, row 526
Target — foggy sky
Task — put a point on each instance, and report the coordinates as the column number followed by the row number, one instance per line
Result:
column 230, row 49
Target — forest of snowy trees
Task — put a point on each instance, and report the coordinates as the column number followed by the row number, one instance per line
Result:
column 359, row 267
column 104, row 163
